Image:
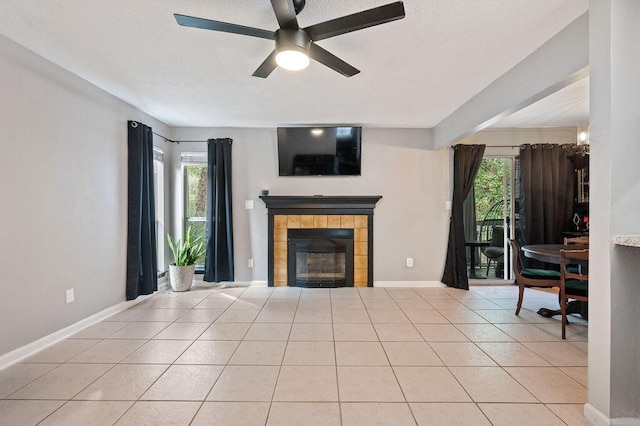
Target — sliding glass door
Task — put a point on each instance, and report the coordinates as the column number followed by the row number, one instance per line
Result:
column 489, row 215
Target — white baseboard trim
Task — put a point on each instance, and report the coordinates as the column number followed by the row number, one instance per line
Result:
column 598, row 418
column 33, row 347
column 425, row 284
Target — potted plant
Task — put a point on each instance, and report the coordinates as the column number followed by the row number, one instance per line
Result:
column 185, row 255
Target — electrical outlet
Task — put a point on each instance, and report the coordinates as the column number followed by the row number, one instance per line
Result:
column 409, row 262
column 250, row 263
column 70, row 296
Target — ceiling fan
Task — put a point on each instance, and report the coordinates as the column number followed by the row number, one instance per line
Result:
column 295, row 45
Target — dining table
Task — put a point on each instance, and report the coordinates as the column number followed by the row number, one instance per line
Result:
column 550, row 253
column 473, row 245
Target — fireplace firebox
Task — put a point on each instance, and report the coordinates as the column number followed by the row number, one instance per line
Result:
column 320, row 257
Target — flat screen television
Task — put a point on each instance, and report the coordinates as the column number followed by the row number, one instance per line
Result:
column 319, row 151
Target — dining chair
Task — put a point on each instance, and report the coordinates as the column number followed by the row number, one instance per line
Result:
column 577, row 240
column 574, row 282
column 583, row 240
column 531, row 277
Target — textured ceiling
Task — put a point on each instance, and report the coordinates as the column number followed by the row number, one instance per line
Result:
column 568, row 107
column 414, row 72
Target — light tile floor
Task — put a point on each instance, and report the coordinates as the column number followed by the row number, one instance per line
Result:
column 286, row 356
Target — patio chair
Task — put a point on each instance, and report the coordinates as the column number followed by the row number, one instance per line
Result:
column 531, row 277
column 573, row 285
column 492, row 230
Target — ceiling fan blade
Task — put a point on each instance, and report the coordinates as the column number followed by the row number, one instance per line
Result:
column 357, row 21
column 267, row 66
column 332, row 61
column 208, row 24
column 285, row 13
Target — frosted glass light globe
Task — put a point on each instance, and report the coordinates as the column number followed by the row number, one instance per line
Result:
column 292, row 60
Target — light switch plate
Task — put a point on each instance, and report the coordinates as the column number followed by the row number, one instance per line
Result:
column 248, row 204
column 409, row 262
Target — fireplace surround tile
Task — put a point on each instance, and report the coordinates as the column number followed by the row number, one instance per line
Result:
column 347, row 221
column 279, row 221
column 360, row 221
column 360, row 234
column 360, row 248
column 306, row 221
column 293, row 221
column 320, row 221
column 333, row 221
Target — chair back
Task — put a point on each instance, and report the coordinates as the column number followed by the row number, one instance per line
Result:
column 493, row 218
column 497, row 236
column 517, row 266
column 573, row 257
column 577, row 240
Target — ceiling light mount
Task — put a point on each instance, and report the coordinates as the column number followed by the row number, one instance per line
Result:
column 292, row 49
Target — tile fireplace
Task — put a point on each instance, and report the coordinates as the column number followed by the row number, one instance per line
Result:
column 320, row 241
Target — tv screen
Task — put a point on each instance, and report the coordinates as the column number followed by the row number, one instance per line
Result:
column 319, row 151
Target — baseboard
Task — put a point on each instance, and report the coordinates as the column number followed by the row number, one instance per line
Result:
column 33, row 347
column 424, row 284
column 597, row 418
column 163, row 283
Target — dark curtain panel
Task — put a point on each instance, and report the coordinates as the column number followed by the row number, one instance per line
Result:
column 142, row 276
column 547, row 190
column 218, row 263
column 466, row 162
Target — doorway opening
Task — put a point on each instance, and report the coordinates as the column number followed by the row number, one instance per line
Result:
column 489, row 215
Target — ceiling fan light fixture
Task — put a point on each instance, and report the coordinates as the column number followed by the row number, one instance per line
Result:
column 292, row 59
column 292, row 49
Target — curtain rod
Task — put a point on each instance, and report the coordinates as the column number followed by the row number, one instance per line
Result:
column 166, row 139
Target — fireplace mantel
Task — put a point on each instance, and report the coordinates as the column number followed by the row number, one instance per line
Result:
column 366, row 202
column 317, row 212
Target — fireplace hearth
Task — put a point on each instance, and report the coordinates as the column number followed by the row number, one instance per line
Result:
column 320, row 257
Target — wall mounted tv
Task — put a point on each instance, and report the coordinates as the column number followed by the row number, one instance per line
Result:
column 319, row 151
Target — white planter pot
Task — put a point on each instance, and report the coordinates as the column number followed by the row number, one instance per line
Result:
column 181, row 277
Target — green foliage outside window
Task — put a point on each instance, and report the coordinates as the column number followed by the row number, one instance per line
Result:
column 488, row 184
column 196, row 202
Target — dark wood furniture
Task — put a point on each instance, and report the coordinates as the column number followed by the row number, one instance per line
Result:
column 574, row 283
column 472, row 257
column 528, row 277
column 584, row 239
column 549, row 253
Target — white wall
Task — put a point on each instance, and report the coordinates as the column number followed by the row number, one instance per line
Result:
column 409, row 221
column 614, row 341
column 63, row 189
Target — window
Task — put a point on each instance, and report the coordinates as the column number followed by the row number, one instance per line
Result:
column 158, row 188
column 194, row 172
